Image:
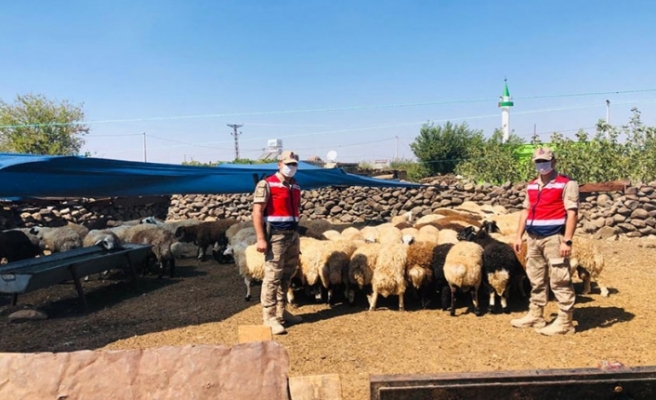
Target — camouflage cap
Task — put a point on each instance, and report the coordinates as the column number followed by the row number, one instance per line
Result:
column 288, row 157
column 543, row 153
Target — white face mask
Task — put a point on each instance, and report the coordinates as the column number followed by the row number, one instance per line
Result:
column 544, row 167
column 289, row 170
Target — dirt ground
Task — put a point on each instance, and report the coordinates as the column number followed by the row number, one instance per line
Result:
column 205, row 304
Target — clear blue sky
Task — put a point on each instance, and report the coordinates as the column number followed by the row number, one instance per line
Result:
column 162, row 59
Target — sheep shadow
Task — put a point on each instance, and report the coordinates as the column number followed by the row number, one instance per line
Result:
column 332, row 312
column 600, row 317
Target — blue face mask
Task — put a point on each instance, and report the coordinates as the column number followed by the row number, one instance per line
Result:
column 544, row 167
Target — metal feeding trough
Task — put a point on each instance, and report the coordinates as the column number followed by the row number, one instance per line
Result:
column 36, row 273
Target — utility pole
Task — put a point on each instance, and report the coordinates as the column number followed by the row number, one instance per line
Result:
column 236, row 135
column 144, row 145
column 607, row 119
column 396, row 155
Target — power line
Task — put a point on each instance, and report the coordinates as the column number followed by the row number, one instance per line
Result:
column 334, row 109
column 415, row 123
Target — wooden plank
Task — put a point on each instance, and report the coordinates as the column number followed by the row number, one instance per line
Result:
column 254, row 333
column 315, row 387
column 613, row 186
column 635, row 383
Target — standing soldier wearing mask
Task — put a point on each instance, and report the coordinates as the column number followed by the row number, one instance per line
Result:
column 549, row 218
column 276, row 211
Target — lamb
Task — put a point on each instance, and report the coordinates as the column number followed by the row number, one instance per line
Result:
column 499, row 262
column 389, row 274
column 58, row 239
column 463, row 269
column 588, row 261
column 419, row 268
column 161, row 241
column 81, row 230
column 16, row 245
column 205, row 234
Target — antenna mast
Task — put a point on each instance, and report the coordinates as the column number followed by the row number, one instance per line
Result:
column 236, row 135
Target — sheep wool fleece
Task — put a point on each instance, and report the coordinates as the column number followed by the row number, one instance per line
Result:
column 281, row 261
column 545, row 266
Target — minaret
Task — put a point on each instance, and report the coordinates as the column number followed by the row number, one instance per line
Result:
column 505, row 104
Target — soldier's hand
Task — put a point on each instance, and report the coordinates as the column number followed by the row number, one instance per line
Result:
column 517, row 246
column 262, row 245
column 565, row 250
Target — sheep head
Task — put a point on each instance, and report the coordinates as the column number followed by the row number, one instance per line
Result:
column 490, row 227
column 468, row 234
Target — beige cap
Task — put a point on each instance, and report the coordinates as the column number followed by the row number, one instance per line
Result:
column 543, row 153
column 288, row 157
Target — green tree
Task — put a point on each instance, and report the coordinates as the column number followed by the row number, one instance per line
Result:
column 495, row 161
column 442, row 148
column 35, row 124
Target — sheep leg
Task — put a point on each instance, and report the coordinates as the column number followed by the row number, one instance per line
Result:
column 402, row 301
column 373, row 299
column 453, row 300
column 493, row 298
column 602, row 287
column 171, row 267
column 291, row 298
column 201, row 252
column 585, row 276
column 247, row 281
column 477, row 310
column 504, row 302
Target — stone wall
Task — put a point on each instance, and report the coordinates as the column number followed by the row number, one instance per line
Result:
column 631, row 212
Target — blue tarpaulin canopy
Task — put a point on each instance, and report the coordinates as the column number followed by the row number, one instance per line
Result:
column 24, row 175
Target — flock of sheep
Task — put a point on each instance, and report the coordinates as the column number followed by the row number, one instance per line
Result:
column 434, row 257
column 165, row 239
column 439, row 254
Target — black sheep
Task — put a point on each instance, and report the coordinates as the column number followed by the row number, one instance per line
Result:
column 206, row 234
column 15, row 246
column 499, row 262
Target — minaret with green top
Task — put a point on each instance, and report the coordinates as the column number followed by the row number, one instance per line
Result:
column 505, row 104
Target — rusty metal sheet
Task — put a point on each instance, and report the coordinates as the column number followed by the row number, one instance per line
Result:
column 625, row 383
column 613, row 186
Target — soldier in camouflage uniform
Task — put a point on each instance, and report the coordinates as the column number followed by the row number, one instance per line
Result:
column 549, row 217
column 276, row 211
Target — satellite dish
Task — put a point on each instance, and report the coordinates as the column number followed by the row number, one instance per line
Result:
column 331, row 156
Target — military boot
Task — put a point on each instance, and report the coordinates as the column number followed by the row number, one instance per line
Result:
column 270, row 320
column 562, row 325
column 534, row 318
column 285, row 316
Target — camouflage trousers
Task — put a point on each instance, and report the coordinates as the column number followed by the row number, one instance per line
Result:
column 281, row 261
column 545, row 267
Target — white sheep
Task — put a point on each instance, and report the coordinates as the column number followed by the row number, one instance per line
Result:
column 361, row 267
column 251, row 263
column 463, row 268
column 335, row 263
column 370, row 234
column 389, row 274
column 588, row 261
column 389, row 235
column 428, row 234
column 58, row 239
column 104, row 238
column 352, row 233
column 447, row 236
column 333, row 235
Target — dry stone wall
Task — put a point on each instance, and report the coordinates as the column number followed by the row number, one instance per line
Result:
column 631, row 212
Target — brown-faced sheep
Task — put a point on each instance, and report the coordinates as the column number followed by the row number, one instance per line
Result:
column 206, row 234
column 588, row 261
column 103, row 238
column 419, row 269
column 161, row 241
